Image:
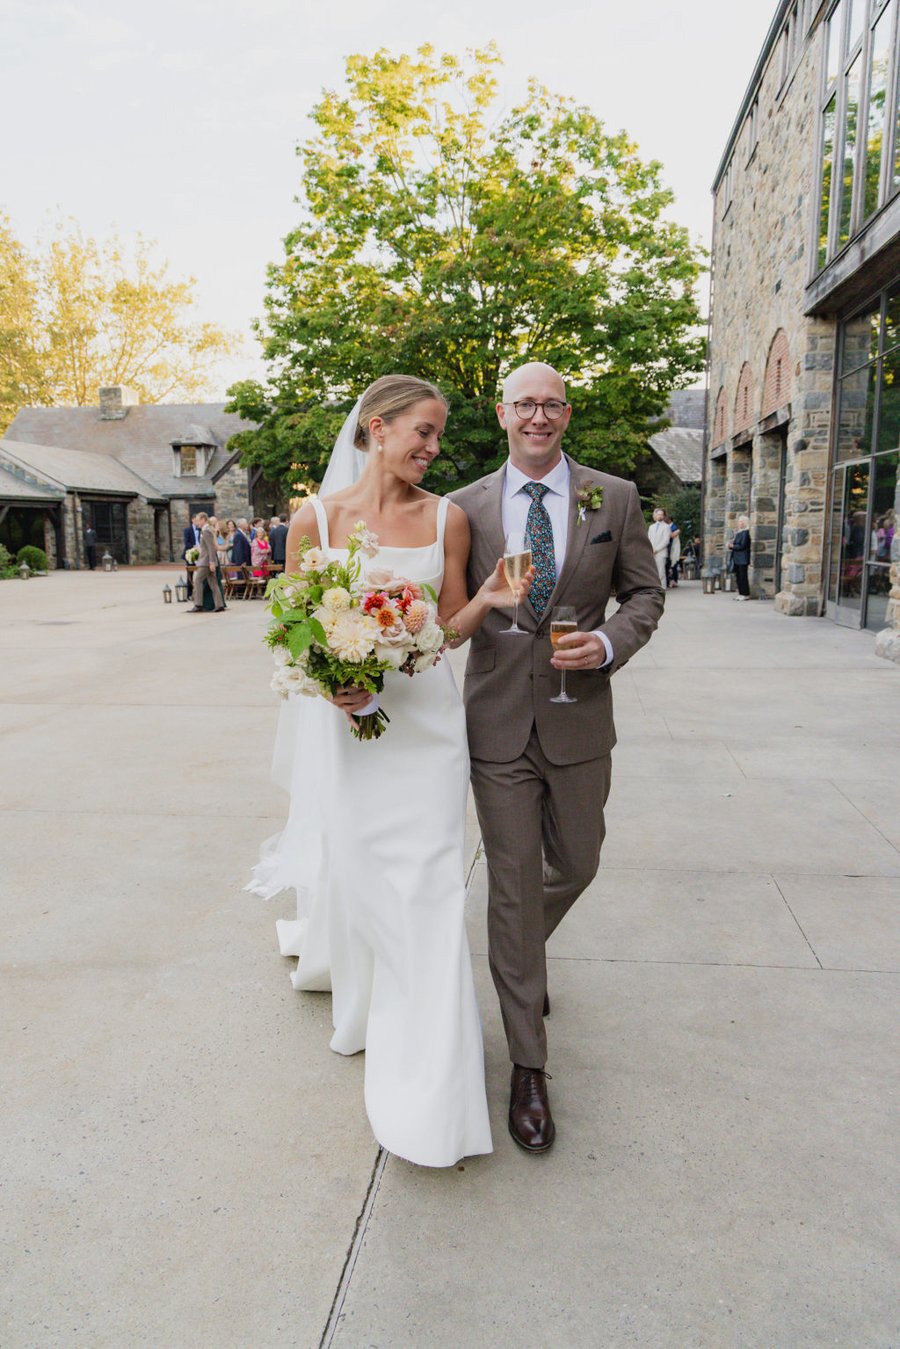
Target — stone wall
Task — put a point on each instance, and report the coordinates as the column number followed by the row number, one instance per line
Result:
column 760, row 268
column 232, row 496
column 141, row 532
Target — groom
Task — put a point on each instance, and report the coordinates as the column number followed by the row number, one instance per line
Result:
column 541, row 770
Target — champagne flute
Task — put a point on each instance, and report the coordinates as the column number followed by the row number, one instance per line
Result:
column 516, row 561
column 562, row 621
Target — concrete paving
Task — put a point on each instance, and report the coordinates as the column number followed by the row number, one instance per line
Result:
column 185, row 1163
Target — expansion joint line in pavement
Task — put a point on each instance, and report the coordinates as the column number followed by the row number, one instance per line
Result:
column 359, row 1235
column 362, row 1222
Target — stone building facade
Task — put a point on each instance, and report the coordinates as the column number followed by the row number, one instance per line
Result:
column 136, row 473
column 802, row 433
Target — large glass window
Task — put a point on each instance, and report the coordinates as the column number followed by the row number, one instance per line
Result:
column 865, row 499
column 860, row 59
column 835, row 45
column 889, row 417
column 853, row 537
column 860, row 343
column 878, row 73
column 851, row 132
column 896, row 179
column 891, row 320
column 829, row 124
column 857, row 414
column 885, row 503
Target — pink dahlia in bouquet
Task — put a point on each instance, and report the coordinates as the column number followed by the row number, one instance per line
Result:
column 335, row 623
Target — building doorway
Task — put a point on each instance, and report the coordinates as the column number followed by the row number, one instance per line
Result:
column 861, row 530
column 110, row 521
column 779, row 508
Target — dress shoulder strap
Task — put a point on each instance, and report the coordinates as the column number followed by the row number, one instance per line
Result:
column 321, row 521
column 443, row 507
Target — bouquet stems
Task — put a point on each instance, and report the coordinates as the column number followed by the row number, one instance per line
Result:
column 371, row 726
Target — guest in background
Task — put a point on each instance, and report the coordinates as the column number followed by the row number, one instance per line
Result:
column 90, row 546
column 660, row 537
column 256, row 527
column 673, row 561
column 260, row 552
column 740, row 557
column 191, row 536
column 228, row 534
column 240, row 544
column 278, row 532
column 207, row 566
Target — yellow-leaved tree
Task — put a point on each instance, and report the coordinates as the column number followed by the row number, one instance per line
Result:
column 77, row 314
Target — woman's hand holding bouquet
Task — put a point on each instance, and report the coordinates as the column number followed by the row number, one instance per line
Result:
column 335, row 626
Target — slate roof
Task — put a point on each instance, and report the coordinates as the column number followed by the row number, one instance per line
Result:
column 681, row 449
column 77, row 469
column 17, row 484
column 688, row 408
column 142, row 440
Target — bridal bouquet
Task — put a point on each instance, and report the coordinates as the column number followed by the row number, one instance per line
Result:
column 334, row 624
column 192, row 555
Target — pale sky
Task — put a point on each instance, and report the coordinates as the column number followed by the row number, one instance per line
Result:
column 179, row 118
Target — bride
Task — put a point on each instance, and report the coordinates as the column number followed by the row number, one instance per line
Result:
column 374, row 843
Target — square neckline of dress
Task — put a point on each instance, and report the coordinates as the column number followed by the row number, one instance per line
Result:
column 322, row 520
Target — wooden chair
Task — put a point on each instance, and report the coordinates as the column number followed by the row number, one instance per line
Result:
column 256, row 585
column 234, row 576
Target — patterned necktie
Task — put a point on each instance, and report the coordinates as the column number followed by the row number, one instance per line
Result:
column 540, row 531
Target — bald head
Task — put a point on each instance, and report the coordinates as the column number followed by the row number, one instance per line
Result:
column 517, row 381
column 535, row 438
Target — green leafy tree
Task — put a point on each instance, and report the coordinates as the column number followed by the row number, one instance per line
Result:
column 441, row 240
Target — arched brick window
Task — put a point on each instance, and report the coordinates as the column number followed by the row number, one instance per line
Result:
column 777, row 387
column 718, row 434
column 744, row 412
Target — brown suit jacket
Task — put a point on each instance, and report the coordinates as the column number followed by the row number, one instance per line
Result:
column 509, row 680
column 208, row 557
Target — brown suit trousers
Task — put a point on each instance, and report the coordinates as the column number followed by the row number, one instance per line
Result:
column 541, row 770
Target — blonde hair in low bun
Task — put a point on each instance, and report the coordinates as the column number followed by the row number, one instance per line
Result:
column 388, row 397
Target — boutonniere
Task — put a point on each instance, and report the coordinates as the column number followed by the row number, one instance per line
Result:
column 589, row 499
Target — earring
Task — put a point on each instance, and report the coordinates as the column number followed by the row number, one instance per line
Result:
column 381, row 447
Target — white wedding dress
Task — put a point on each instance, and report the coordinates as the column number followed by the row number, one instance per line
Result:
column 374, row 846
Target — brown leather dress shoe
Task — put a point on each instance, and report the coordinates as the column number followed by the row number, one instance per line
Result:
column 530, row 1121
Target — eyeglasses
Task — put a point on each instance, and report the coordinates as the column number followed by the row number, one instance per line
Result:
column 525, row 408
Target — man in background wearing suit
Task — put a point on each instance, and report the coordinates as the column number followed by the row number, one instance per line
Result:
column 90, row 546
column 278, row 532
column 240, row 545
column 541, row 770
column 191, row 536
column 207, row 563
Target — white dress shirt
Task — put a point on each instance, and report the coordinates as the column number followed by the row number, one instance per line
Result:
column 514, row 512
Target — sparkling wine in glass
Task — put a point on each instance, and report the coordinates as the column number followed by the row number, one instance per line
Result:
column 562, row 621
column 516, row 561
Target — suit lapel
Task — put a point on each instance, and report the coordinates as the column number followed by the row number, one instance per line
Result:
column 492, row 512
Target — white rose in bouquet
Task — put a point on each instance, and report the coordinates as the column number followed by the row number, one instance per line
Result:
column 394, row 655
column 430, row 638
column 378, row 578
column 314, row 559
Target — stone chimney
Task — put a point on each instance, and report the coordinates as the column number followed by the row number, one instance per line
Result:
column 115, row 402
